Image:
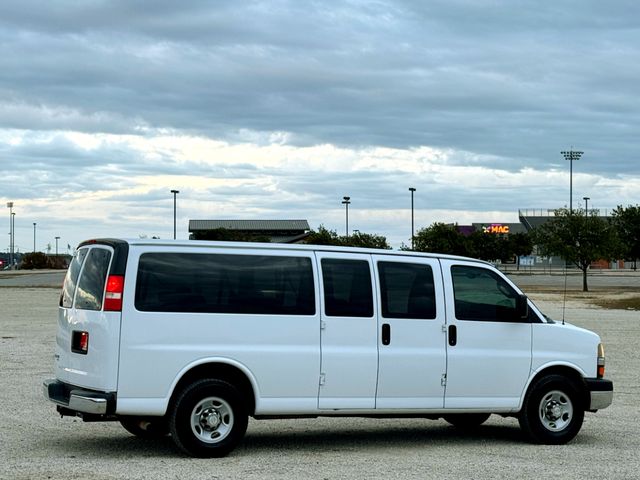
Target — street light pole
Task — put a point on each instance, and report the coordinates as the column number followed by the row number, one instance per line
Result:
column 175, row 192
column 34, row 237
column 57, row 238
column 586, row 206
column 411, row 189
column 10, row 206
column 571, row 155
column 346, row 203
column 13, row 237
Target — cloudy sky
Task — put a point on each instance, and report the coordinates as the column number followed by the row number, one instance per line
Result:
column 278, row 109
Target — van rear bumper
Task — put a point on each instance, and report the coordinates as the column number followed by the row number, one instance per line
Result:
column 601, row 393
column 72, row 400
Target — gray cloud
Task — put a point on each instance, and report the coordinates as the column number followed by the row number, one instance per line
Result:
column 504, row 85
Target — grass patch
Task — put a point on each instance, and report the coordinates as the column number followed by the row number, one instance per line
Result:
column 625, row 303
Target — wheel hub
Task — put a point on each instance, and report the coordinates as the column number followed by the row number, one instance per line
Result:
column 210, row 419
column 553, row 410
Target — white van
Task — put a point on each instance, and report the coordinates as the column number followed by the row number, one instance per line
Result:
column 191, row 338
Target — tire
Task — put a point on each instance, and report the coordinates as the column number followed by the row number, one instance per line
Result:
column 552, row 413
column 467, row 421
column 209, row 419
column 148, row 428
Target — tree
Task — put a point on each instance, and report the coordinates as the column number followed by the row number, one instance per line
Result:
column 367, row 240
column 626, row 222
column 486, row 246
column 440, row 238
column 35, row 260
column 323, row 237
column 578, row 238
column 520, row 244
column 364, row 240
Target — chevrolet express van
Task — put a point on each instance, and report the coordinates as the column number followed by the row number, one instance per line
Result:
column 191, row 338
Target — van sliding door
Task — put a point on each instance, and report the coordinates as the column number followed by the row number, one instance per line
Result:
column 412, row 342
column 349, row 339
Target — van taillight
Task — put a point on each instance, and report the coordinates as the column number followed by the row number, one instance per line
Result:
column 80, row 342
column 113, row 295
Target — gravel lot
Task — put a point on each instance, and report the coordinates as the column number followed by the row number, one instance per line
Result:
column 36, row 443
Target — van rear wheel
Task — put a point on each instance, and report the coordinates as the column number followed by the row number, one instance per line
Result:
column 552, row 413
column 209, row 419
column 148, row 428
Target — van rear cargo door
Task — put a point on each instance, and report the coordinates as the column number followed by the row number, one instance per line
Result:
column 87, row 341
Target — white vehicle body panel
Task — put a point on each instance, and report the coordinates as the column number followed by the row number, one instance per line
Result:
column 557, row 344
column 281, row 353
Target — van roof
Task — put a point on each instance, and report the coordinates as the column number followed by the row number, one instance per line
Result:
column 195, row 244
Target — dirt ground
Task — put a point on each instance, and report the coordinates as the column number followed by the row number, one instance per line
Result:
column 35, row 443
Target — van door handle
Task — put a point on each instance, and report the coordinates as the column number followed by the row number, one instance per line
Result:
column 453, row 335
column 386, row 334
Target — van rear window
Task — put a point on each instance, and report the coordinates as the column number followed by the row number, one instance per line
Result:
column 92, row 280
column 221, row 283
column 71, row 279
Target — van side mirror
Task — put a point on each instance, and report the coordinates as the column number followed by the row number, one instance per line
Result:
column 522, row 307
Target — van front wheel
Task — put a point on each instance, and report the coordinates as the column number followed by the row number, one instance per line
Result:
column 209, row 419
column 552, row 412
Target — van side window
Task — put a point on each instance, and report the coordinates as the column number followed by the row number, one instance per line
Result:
column 347, row 288
column 221, row 283
column 92, row 279
column 483, row 295
column 71, row 279
column 407, row 290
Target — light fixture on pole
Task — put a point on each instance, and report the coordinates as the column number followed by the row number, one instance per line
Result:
column 411, row 189
column 34, row 237
column 346, row 202
column 175, row 192
column 57, row 238
column 571, row 155
column 586, row 206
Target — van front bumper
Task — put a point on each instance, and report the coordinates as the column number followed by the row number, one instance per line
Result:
column 72, row 400
column 601, row 393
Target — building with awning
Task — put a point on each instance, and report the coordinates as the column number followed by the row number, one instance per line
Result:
column 278, row 231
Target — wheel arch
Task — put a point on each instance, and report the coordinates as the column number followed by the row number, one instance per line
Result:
column 571, row 372
column 225, row 370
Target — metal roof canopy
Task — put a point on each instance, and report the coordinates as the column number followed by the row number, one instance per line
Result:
column 250, row 225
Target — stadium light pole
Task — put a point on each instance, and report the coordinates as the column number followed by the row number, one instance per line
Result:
column 411, row 189
column 346, row 202
column 586, row 206
column 34, row 237
column 175, row 192
column 571, row 155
